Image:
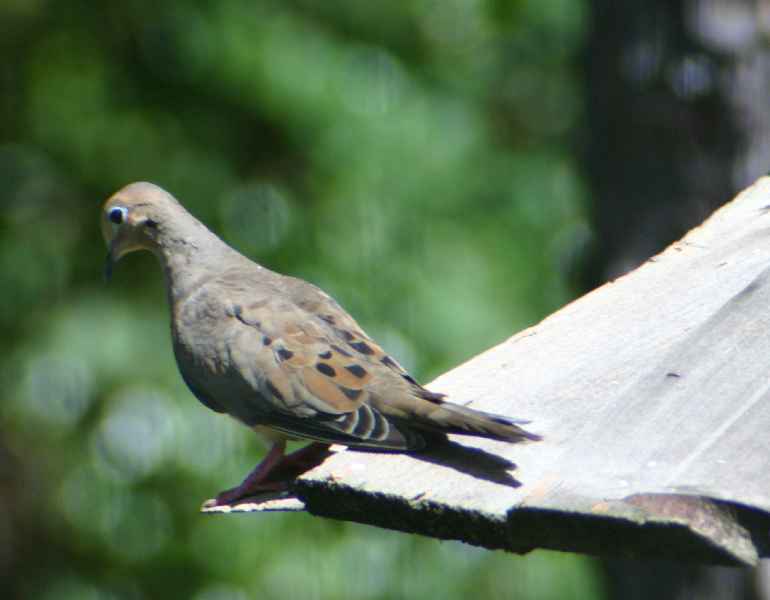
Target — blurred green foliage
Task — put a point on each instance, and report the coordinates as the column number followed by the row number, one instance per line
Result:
column 413, row 158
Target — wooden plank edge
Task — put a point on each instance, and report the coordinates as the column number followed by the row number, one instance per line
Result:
column 671, row 526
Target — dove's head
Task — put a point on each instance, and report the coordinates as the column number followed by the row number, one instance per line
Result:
column 133, row 219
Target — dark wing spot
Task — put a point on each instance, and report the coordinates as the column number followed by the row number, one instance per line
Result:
column 362, row 347
column 273, row 390
column 341, row 350
column 345, row 335
column 285, row 354
column 267, row 340
column 237, row 312
column 327, row 370
column 356, row 370
column 325, row 355
column 328, row 318
column 352, row 394
column 409, row 378
column 389, row 362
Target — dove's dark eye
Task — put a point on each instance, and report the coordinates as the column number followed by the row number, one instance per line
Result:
column 117, row 215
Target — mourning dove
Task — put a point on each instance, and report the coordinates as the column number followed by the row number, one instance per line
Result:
column 278, row 353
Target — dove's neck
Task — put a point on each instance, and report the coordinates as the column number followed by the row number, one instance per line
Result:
column 190, row 254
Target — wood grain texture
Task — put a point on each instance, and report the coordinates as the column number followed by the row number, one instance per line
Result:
column 653, row 396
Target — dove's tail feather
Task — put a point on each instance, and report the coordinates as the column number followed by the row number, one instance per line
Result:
column 453, row 418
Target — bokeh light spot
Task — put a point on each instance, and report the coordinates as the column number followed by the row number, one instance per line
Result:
column 256, row 217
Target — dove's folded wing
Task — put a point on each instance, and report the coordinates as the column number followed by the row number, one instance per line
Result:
column 317, row 381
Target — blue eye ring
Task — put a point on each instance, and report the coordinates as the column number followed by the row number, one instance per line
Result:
column 117, row 215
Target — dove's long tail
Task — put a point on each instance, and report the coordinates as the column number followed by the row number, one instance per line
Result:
column 453, row 418
column 430, row 412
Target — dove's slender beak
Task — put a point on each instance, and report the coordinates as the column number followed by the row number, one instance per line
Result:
column 110, row 260
column 115, row 251
column 121, row 243
column 108, row 266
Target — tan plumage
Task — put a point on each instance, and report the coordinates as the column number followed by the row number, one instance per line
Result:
column 276, row 352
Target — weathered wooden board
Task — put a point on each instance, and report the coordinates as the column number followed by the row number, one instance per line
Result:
column 653, row 394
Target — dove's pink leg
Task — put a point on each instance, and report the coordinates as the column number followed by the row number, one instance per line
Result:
column 274, row 472
column 251, row 484
column 299, row 461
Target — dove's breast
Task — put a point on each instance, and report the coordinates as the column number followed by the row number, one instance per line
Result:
column 203, row 333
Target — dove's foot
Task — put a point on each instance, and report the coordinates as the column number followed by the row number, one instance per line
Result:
column 295, row 464
column 274, row 473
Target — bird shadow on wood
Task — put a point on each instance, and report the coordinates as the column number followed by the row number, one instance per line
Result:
column 441, row 451
column 475, row 462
